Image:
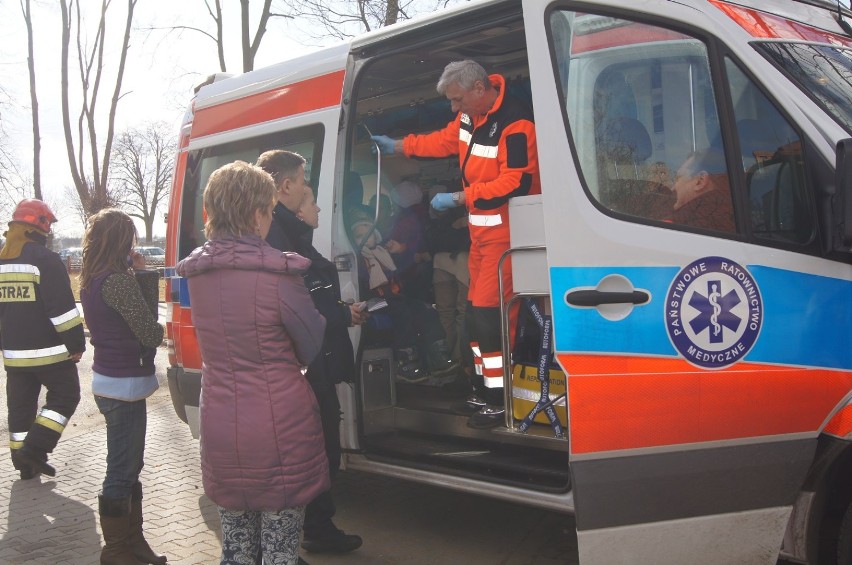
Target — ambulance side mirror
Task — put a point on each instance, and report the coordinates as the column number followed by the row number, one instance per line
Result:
column 843, row 184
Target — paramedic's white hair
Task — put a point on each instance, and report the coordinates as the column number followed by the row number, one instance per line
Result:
column 463, row 73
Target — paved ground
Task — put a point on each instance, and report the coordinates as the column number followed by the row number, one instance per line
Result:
column 55, row 520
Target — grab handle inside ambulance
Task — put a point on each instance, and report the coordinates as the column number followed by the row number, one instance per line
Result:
column 590, row 298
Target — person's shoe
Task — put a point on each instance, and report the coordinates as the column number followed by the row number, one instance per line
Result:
column 333, row 541
column 36, row 461
column 411, row 373
column 439, row 361
column 471, row 405
column 27, row 474
column 408, row 368
column 488, row 417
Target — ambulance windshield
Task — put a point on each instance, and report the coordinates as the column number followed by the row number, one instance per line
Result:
column 822, row 71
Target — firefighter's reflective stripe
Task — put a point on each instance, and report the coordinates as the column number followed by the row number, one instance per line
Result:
column 485, row 220
column 492, row 369
column 16, row 439
column 35, row 357
column 488, row 152
column 19, row 272
column 464, row 136
column 67, row 320
column 477, row 357
column 52, row 420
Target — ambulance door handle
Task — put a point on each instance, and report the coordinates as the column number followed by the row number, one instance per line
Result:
column 591, row 298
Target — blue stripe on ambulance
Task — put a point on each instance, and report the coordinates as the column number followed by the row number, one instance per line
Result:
column 808, row 318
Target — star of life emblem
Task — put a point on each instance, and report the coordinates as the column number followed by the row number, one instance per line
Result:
column 713, row 312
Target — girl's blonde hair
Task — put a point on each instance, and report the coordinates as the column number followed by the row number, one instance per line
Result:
column 233, row 194
column 109, row 238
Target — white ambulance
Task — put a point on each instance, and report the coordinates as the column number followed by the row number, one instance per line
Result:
column 707, row 340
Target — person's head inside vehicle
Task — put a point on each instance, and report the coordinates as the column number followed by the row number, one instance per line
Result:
column 467, row 87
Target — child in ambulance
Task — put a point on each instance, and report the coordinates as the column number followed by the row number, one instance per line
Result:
column 417, row 332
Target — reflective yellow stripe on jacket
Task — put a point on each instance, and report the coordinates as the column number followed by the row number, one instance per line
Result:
column 35, row 357
column 68, row 320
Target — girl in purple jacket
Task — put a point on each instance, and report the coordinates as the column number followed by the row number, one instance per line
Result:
column 119, row 298
column 262, row 452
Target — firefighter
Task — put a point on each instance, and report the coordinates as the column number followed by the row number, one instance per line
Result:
column 494, row 136
column 41, row 333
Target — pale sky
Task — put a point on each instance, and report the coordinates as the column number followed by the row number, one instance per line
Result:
column 160, row 72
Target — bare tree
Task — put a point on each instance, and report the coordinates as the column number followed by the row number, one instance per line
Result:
column 28, row 20
column 91, row 187
column 249, row 42
column 345, row 18
column 13, row 187
column 142, row 166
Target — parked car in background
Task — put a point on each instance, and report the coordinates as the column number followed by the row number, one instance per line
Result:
column 154, row 256
column 72, row 257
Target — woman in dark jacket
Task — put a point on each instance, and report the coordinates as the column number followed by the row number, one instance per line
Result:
column 262, row 452
column 119, row 300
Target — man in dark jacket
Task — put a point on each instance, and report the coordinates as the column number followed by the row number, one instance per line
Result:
column 335, row 363
column 42, row 339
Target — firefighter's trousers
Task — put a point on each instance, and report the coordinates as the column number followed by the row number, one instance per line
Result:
column 40, row 429
column 483, row 318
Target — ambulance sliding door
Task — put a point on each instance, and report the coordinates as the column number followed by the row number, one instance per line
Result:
column 681, row 235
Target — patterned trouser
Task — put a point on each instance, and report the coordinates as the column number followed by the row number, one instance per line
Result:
column 277, row 534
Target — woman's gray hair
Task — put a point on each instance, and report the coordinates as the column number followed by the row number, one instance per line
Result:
column 464, row 73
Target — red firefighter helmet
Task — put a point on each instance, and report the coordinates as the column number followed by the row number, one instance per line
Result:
column 35, row 213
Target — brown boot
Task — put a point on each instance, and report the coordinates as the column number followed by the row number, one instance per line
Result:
column 115, row 523
column 136, row 539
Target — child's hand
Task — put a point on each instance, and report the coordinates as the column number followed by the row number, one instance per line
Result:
column 394, row 246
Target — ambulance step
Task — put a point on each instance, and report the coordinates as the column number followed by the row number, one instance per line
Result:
column 519, row 466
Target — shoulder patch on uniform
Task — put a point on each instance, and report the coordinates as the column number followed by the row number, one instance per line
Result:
column 516, row 151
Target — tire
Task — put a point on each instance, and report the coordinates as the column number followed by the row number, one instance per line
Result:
column 844, row 538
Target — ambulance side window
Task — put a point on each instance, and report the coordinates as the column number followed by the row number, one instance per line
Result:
column 780, row 207
column 641, row 109
column 306, row 141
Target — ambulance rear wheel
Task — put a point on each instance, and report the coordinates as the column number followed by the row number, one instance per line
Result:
column 844, row 538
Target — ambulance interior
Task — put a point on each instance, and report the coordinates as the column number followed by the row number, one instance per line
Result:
column 639, row 100
column 417, row 424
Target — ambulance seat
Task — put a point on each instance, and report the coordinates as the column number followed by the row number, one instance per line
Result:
column 625, row 146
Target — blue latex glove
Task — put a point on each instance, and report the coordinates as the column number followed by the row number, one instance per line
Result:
column 443, row 201
column 384, row 142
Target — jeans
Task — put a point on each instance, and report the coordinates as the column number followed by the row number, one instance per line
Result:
column 126, row 425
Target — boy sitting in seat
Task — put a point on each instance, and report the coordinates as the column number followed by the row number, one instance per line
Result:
column 416, row 329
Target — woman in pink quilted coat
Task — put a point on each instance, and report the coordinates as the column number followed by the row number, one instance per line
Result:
column 262, row 453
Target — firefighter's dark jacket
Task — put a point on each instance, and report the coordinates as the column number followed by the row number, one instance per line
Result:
column 39, row 321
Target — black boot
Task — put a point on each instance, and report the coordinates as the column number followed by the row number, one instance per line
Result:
column 24, row 469
column 115, row 524
column 440, row 363
column 329, row 539
column 36, row 460
column 408, row 369
column 136, row 539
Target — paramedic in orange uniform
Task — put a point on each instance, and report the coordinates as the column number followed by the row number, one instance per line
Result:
column 494, row 136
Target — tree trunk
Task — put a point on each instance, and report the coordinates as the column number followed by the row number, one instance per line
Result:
column 33, row 102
